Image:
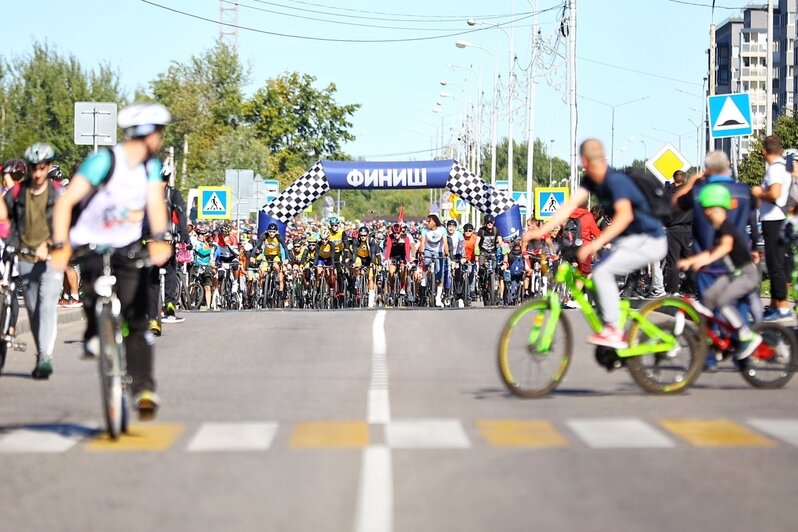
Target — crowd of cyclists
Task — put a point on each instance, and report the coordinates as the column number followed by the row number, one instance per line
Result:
column 120, row 199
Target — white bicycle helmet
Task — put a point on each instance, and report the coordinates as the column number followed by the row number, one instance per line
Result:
column 141, row 119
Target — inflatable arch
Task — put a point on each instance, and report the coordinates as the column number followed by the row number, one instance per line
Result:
column 349, row 175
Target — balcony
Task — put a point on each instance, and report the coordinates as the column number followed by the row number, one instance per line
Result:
column 753, row 72
column 753, row 49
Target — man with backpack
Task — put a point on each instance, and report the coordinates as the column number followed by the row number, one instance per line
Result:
column 30, row 208
column 580, row 227
column 636, row 232
column 773, row 196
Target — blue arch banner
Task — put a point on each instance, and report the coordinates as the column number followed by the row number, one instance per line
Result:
column 352, row 175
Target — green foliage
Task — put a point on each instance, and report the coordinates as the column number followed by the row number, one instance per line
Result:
column 559, row 168
column 37, row 98
column 235, row 148
column 752, row 168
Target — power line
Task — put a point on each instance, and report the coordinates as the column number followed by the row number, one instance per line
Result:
column 322, row 39
column 696, row 4
column 404, row 14
column 641, row 72
column 325, row 20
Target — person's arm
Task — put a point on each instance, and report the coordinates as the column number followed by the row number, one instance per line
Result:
column 421, row 244
column 697, row 262
column 580, row 196
column 686, row 189
column 159, row 250
column 79, row 188
column 771, row 195
column 288, row 255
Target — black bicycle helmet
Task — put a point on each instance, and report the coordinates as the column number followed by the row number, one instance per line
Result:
column 272, row 227
column 451, row 223
column 468, row 227
column 489, row 219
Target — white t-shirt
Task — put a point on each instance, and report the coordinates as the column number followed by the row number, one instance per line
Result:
column 776, row 173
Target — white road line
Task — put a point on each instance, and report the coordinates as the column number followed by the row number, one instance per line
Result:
column 375, row 499
column 375, row 496
column 38, row 441
column 618, row 433
column 782, row 429
column 379, row 405
column 233, row 437
column 426, row 434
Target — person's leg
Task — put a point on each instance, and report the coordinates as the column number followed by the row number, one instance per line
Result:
column 170, row 281
column 657, row 286
column 50, row 285
column 154, row 289
column 627, row 255
column 29, row 276
column 71, row 284
column 774, row 258
column 133, row 291
column 672, row 272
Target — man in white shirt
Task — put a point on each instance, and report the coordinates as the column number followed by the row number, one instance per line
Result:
column 772, row 196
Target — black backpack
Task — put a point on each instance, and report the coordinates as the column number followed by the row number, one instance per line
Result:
column 659, row 204
column 572, row 234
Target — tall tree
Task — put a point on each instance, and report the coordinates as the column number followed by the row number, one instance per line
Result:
column 559, row 168
column 299, row 123
column 752, row 167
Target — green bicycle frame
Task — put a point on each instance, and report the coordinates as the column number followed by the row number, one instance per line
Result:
column 578, row 285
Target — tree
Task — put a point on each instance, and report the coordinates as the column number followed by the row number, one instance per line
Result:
column 205, row 97
column 235, row 148
column 37, row 98
column 752, row 168
column 299, row 123
column 559, row 168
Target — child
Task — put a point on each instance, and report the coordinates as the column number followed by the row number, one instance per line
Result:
column 742, row 278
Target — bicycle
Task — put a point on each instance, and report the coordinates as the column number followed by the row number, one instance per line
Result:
column 114, row 380
column 537, row 342
column 489, row 282
column 7, row 293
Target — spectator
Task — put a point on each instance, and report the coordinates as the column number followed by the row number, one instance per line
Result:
column 680, row 238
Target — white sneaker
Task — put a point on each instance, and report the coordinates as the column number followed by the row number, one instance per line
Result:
column 91, row 348
column 460, row 303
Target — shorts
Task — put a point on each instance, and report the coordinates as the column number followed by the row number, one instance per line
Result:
column 324, row 262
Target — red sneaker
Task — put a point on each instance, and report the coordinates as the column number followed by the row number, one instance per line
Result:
column 610, row 336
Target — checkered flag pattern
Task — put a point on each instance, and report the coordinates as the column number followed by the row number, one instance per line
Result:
column 300, row 194
column 477, row 192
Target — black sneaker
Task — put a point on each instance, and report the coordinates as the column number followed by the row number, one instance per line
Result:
column 43, row 369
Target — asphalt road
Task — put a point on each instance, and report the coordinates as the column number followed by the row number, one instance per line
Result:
column 397, row 420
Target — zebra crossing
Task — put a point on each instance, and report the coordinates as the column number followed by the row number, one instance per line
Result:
column 406, row 434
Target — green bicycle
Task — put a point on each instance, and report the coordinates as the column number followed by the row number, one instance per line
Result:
column 665, row 354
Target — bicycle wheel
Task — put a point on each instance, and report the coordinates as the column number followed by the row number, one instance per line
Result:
column 675, row 370
column 111, row 386
column 5, row 303
column 527, row 369
column 773, row 363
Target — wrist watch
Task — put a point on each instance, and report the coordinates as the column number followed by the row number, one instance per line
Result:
column 54, row 246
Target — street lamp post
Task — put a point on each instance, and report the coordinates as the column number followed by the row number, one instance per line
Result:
column 613, row 107
column 494, row 106
column 550, row 159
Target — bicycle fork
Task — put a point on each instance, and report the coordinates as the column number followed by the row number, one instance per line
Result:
column 542, row 331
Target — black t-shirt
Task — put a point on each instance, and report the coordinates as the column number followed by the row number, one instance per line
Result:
column 488, row 241
column 739, row 254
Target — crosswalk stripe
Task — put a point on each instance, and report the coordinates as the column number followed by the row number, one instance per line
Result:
column 152, row 437
column 783, row 429
column 233, row 437
column 43, row 438
column 618, row 433
column 715, row 433
column 426, row 434
column 329, row 434
column 521, row 433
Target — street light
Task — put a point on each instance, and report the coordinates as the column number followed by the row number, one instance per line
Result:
column 493, row 126
column 613, row 107
column 550, row 158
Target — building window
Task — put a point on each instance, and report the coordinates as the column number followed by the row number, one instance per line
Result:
column 723, row 77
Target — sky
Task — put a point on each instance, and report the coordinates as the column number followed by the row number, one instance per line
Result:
column 648, row 52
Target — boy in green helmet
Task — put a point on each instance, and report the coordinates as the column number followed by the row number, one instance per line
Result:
column 731, row 247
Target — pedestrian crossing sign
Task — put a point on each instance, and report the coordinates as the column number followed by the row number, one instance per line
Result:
column 548, row 200
column 215, row 203
column 730, row 115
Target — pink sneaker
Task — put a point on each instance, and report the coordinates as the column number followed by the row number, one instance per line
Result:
column 610, row 336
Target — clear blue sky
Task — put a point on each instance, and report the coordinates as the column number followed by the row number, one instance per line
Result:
column 398, row 83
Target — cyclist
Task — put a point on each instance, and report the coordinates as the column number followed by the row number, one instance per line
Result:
column 470, row 251
column 432, row 248
column 488, row 244
column 203, row 257
column 274, row 249
column 325, row 256
column 176, row 222
column 132, row 187
column 456, row 246
column 398, row 251
column 30, row 207
column 731, row 247
column 14, row 171
column 638, row 238
column 366, row 255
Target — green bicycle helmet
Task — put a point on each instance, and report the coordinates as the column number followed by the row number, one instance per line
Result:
column 715, row 195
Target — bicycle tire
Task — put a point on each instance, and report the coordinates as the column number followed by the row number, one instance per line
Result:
column 649, row 371
column 772, row 364
column 111, row 385
column 516, row 333
column 4, row 311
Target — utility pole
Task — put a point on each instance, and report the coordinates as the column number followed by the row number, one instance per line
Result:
column 530, row 149
column 572, row 88
column 510, row 87
column 184, row 169
column 711, row 66
column 769, row 86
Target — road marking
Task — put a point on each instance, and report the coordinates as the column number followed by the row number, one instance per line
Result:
column 379, row 405
column 329, row 434
column 521, row 433
column 426, row 434
column 618, row 433
column 233, row 437
column 144, row 437
column 375, row 498
column 715, row 433
column 783, row 429
column 45, row 438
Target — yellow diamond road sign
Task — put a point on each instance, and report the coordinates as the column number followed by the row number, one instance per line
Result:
column 666, row 161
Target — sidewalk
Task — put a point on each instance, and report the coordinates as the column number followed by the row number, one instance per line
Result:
column 65, row 315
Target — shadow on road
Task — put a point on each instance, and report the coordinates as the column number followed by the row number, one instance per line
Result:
column 62, row 429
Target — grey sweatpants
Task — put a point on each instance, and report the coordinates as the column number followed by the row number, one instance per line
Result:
column 628, row 253
column 41, row 286
column 727, row 289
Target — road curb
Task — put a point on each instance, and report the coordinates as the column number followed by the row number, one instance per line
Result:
column 65, row 315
